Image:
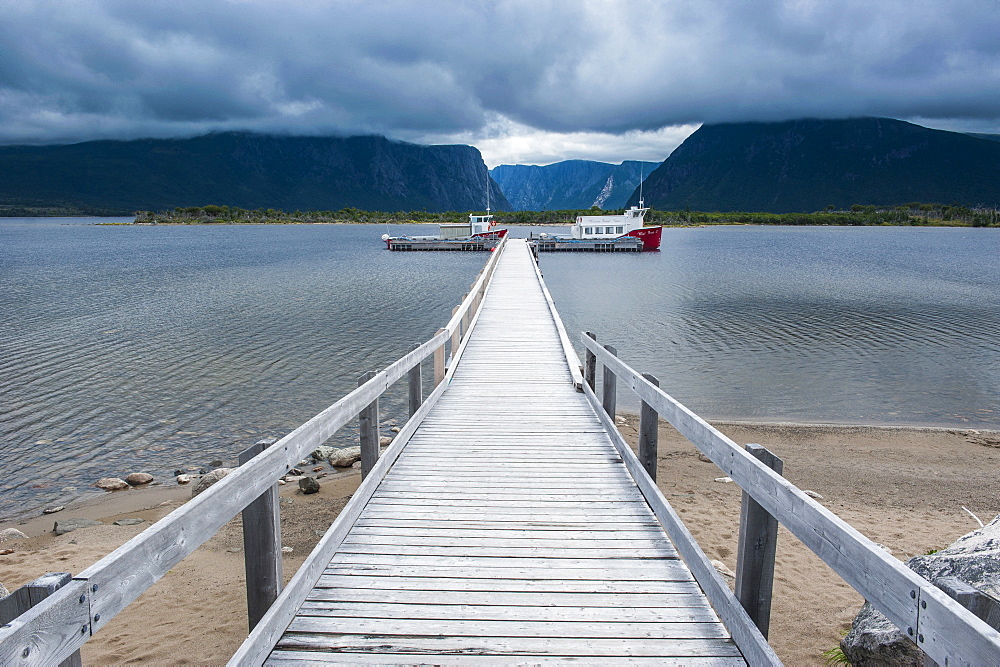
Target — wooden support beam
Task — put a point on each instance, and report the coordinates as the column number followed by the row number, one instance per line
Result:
column 979, row 603
column 416, row 388
column 29, row 595
column 439, row 361
column 368, row 430
column 590, row 366
column 609, row 393
column 466, row 318
column 261, row 545
column 648, row 432
column 755, row 551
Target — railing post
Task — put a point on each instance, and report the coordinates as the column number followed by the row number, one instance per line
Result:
column 648, row 432
column 466, row 318
column 456, row 335
column 416, row 388
column 973, row 599
column 29, row 595
column 261, row 545
column 590, row 365
column 609, row 395
column 368, row 431
column 439, row 361
column 755, row 551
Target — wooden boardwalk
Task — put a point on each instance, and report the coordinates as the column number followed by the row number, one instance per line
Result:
column 508, row 530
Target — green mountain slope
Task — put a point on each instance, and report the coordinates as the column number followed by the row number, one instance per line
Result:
column 250, row 171
column 806, row 165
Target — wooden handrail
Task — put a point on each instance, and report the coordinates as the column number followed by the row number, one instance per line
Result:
column 940, row 626
column 56, row 627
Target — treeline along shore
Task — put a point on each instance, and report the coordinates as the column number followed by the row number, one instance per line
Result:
column 914, row 214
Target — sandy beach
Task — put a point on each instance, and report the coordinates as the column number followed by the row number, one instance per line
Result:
column 902, row 487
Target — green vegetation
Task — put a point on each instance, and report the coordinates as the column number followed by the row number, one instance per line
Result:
column 835, row 656
column 915, row 214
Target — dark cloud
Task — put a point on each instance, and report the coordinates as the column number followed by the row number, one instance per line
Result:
column 82, row 70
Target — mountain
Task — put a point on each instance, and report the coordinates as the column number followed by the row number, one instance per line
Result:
column 249, row 171
column 806, row 165
column 570, row 184
column 991, row 137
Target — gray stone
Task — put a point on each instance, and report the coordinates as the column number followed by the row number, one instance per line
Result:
column 132, row 521
column 69, row 525
column 138, row 478
column 53, row 510
column 322, row 453
column 384, row 440
column 209, row 479
column 11, row 534
column 703, row 458
column 724, row 480
column 112, row 484
column 974, row 558
column 344, row 457
column 394, row 429
column 287, row 550
column 3, row 592
column 215, row 464
column 184, row 479
column 308, row 485
column 812, row 494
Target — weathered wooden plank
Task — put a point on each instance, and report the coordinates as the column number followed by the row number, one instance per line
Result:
column 291, row 657
column 696, row 613
column 609, row 385
column 54, row 619
column 505, row 646
column 648, row 433
column 471, row 551
column 599, row 571
column 360, row 533
column 514, row 628
column 390, row 581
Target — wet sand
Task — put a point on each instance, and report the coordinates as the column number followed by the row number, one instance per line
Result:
column 902, row 487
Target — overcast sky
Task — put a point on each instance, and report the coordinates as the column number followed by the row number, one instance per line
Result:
column 526, row 81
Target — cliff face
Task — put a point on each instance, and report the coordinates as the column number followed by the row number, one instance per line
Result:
column 806, row 165
column 572, row 184
column 250, row 171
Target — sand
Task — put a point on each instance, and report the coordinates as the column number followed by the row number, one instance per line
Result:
column 902, row 487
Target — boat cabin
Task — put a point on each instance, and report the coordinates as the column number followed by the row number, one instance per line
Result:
column 609, row 226
column 478, row 224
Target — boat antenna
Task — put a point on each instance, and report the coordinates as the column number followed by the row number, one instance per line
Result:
column 641, row 167
column 487, row 191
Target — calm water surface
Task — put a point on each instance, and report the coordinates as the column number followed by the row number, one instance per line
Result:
column 154, row 348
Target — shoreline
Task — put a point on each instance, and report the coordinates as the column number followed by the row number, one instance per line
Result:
column 903, row 487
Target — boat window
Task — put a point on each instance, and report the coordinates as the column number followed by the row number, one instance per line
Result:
column 588, row 230
column 599, row 230
column 619, row 230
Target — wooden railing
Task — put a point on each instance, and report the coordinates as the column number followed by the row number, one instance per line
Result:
column 56, row 625
column 945, row 630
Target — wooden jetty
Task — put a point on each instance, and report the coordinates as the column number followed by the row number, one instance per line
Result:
column 508, row 522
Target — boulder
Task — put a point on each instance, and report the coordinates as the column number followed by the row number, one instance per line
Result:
column 138, row 478
column 322, row 453
column 69, row 525
column 11, row 534
column 112, row 484
column 183, row 479
column 384, row 441
column 344, row 457
column 308, row 485
column 973, row 558
column 132, row 521
column 209, row 479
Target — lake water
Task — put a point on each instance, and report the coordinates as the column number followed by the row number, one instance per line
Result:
column 129, row 348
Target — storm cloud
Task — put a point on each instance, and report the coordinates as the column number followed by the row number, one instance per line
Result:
column 488, row 72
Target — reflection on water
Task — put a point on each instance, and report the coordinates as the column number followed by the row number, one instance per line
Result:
column 851, row 325
column 155, row 348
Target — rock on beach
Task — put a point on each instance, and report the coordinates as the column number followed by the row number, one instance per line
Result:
column 344, row 457
column 11, row 534
column 138, row 478
column 69, row 525
column 112, row 484
column 209, row 479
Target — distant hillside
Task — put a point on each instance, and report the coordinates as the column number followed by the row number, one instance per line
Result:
column 991, row 137
column 806, row 165
column 572, row 184
column 249, row 171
